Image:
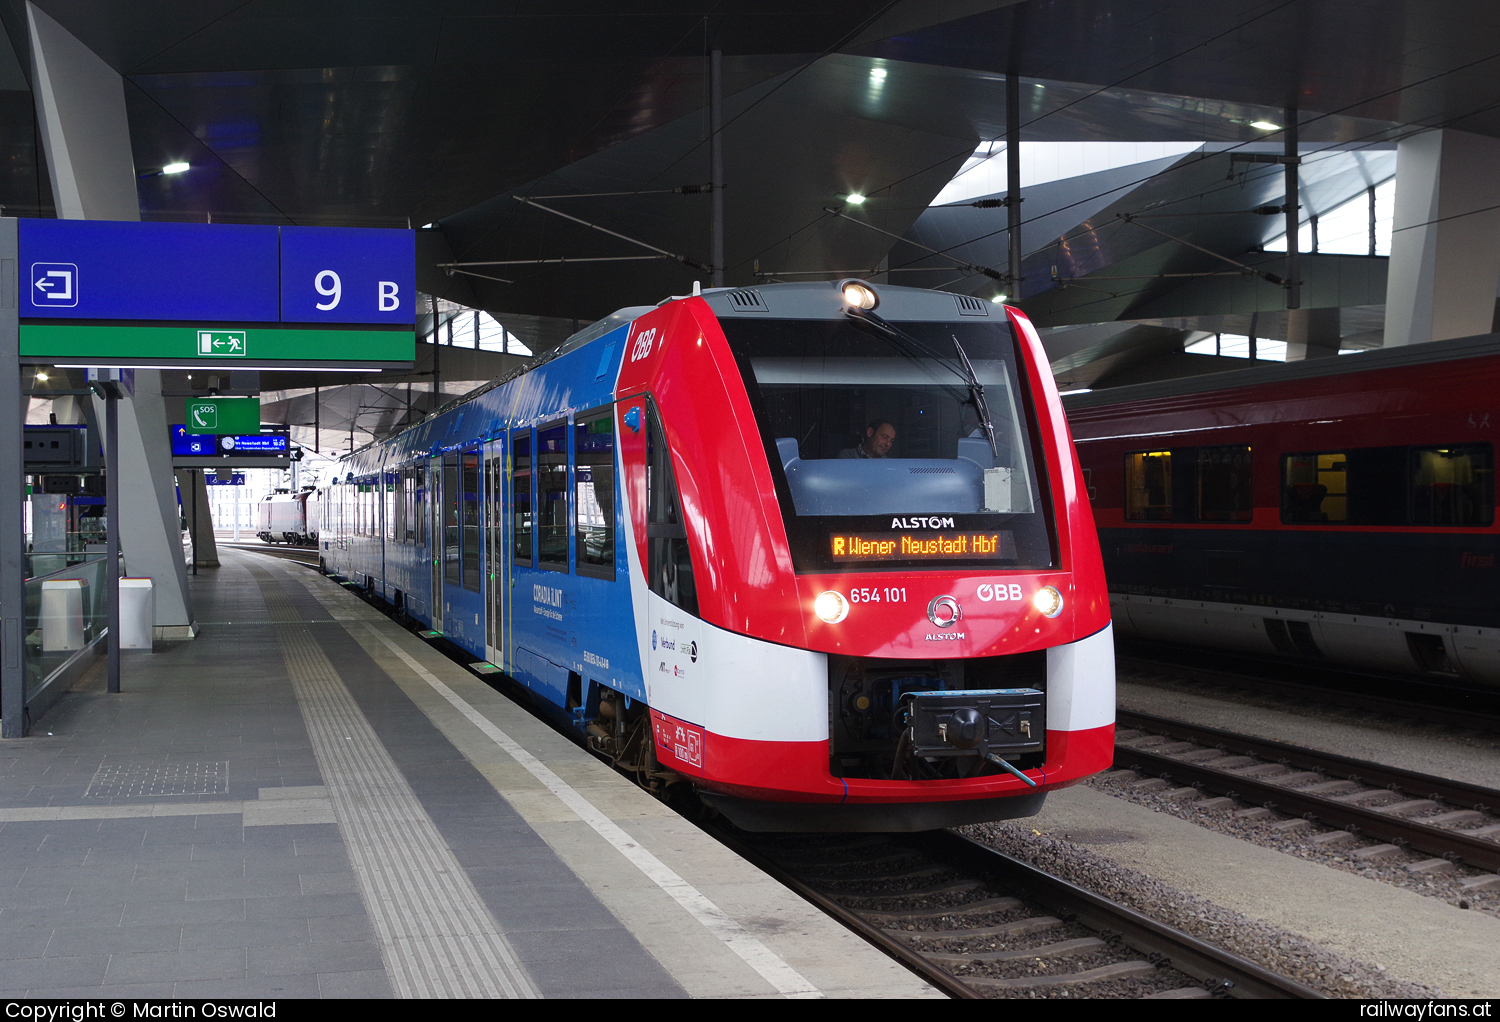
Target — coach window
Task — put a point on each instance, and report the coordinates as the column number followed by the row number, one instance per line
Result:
column 390, row 505
column 520, row 490
column 470, row 511
column 594, row 489
column 1148, row 486
column 552, row 496
column 452, row 495
column 1452, row 485
column 1314, row 488
column 1225, row 488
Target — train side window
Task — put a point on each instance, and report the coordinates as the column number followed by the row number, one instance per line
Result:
column 452, row 565
column 392, row 506
column 520, row 489
column 594, row 489
column 552, row 496
column 419, row 503
column 1452, row 485
column 1225, row 484
column 671, row 563
column 470, row 510
column 1315, row 488
column 1148, row 486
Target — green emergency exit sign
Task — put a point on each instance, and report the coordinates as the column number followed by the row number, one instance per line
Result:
column 231, row 416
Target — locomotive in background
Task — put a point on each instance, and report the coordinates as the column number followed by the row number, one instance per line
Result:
column 284, row 517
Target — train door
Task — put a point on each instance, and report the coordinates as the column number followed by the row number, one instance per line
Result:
column 435, row 538
column 496, row 577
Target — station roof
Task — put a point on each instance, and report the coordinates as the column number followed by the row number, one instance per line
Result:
column 443, row 113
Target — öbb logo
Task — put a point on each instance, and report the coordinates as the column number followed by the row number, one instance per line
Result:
column 643, row 342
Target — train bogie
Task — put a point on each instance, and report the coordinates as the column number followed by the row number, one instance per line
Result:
column 668, row 534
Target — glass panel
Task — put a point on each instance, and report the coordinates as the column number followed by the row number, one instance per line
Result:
column 866, row 422
column 1315, row 488
column 471, row 510
column 1225, row 489
column 419, row 504
column 552, row 496
column 1452, row 485
column 452, row 492
column 1148, row 486
column 66, row 610
column 594, row 482
column 520, row 486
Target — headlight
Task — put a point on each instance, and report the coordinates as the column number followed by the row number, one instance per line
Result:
column 831, row 607
column 1048, row 600
column 858, row 295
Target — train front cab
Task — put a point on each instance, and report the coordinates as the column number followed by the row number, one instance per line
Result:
column 964, row 574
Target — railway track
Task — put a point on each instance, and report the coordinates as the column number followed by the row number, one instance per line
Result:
column 302, row 555
column 977, row 923
column 1449, row 821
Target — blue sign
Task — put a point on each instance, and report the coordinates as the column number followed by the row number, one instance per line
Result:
column 237, row 479
column 216, row 273
column 204, row 445
column 348, row 275
column 107, row 269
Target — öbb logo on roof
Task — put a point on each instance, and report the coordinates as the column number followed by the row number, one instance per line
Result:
column 643, row 342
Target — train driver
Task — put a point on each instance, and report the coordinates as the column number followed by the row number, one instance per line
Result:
column 880, row 436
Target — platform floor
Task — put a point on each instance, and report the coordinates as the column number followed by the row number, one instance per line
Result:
column 307, row 801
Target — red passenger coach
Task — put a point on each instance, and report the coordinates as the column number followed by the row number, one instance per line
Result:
column 867, row 588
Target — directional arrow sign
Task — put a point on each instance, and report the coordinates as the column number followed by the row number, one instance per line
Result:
column 55, row 284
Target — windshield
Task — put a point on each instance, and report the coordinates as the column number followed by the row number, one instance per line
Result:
column 880, row 436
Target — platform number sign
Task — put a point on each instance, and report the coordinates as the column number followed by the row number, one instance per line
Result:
column 328, row 284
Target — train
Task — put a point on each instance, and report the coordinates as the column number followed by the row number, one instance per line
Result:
column 815, row 553
column 1337, row 511
column 285, row 517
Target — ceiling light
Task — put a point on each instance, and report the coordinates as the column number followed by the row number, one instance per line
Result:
column 855, row 199
column 860, row 296
column 999, row 299
column 879, row 73
column 1265, row 126
column 175, row 168
column 42, row 376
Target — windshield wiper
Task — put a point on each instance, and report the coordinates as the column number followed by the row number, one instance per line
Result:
column 963, row 369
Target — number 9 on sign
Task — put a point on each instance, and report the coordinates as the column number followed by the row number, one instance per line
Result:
column 328, row 285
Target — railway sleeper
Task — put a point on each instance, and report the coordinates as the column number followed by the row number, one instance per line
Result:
column 973, row 908
column 1063, row 948
column 1014, row 928
column 957, row 887
column 1117, row 970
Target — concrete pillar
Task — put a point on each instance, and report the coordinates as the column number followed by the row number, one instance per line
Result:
column 1311, row 333
column 80, row 106
column 1445, row 254
column 150, row 523
column 193, row 486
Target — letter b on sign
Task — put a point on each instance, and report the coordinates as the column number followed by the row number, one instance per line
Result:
column 388, row 300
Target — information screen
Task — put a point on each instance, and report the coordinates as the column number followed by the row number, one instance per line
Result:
column 201, row 445
column 922, row 546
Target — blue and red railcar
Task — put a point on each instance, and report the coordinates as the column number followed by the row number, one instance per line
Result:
column 1337, row 511
column 672, row 534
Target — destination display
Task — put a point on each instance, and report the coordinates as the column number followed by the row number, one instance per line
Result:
column 999, row 545
column 185, row 444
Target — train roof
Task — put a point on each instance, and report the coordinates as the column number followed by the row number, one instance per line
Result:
column 1235, row 379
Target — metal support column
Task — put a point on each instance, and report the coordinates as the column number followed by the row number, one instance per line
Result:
column 716, row 159
column 112, row 532
column 1013, row 180
column 1293, row 210
column 12, row 496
